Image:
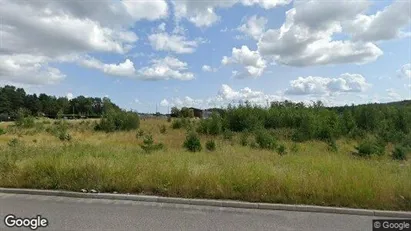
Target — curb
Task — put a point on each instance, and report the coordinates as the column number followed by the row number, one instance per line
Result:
column 215, row 203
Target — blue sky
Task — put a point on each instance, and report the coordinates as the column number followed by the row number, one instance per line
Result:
column 144, row 54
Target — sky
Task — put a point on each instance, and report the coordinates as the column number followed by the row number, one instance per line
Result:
column 148, row 55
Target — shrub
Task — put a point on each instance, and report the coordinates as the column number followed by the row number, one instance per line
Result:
column 163, row 129
column 177, row 124
column 265, row 140
column 192, row 142
column 332, row 145
column 282, row 149
column 169, row 119
column 140, row 133
column 399, row 153
column 2, row 132
column 210, row 145
column 294, row 148
column 24, row 119
column 244, row 139
column 215, row 126
column 118, row 121
column 228, row 135
column 368, row 147
column 149, row 146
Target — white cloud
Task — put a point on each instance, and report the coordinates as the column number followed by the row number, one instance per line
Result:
column 202, row 13
column 253, row 63
column 306, row 37
column 122, row 69
column 207, row 68
column 69, row 96
column 175, row 43
column 164, row 69
column 164, row 103
column 405, row 71
column 146, row 9
column 383, row 25
column 326, row 86
column 254, row 27
column 393, row 95
column 28, row 69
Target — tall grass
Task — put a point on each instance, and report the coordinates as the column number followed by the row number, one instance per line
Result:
column 310, row 174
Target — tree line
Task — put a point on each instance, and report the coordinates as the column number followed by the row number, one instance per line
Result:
column 13, row 99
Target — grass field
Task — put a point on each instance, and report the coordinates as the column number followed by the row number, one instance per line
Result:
column 308, row 174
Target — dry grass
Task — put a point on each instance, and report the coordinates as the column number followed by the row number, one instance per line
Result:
column 115, row 162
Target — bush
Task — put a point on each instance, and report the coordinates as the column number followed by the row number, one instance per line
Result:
column 163, row 129
column 2, row 132
column 282, row 150
column 24, row 119
column 228, row 135
column 210, row 145
column 169, row 119
column 140, row 133
column 192, row 142
column 179, row 123
column 244, row 139
column 332, row 145
column 118, row 121
column 370, row 146
column 149, row 146
column 265, row 140
column 399, row 153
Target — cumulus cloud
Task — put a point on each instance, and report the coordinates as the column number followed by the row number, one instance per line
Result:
column 306, row 37
column 207, row 68
column 226, row 95
column 393, row 95
column 254, row 27
column 313, row 85
column 171, row 42
column 405, row 71
column 254, row 65
column 383, row 25
column 202, row 13
column 122, row 69
column 46, row 32
column 28, row 69
column 166, row 68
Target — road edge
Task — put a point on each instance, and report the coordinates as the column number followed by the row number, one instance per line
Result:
column 210, row 202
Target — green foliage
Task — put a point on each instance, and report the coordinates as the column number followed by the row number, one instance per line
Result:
column 370, row 146
column 228, row 135
column 294, row 148
column 186, row 113
column 399, row 153
column 149, row 146
column 163, row 129
column 332, row 145
column 117, row 120
column 140, row 133
column 282, row 150
column 210, row 145
column 169, row 119
column 192, row 142
column 211, row 126
column 24, row 119
column 265, row 140
column 2, row 131
column 244, row 138
column 180, row 123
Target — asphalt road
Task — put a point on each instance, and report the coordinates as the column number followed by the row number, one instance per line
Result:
column 97, row 214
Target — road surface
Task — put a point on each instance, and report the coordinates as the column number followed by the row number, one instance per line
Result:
column 99, row 214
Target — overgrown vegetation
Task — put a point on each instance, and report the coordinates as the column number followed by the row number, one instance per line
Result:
column 149, row 146
column 118, row 120
column 210, row 145
column 192, row 142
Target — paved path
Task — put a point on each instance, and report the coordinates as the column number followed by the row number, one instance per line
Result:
column 100, row 214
